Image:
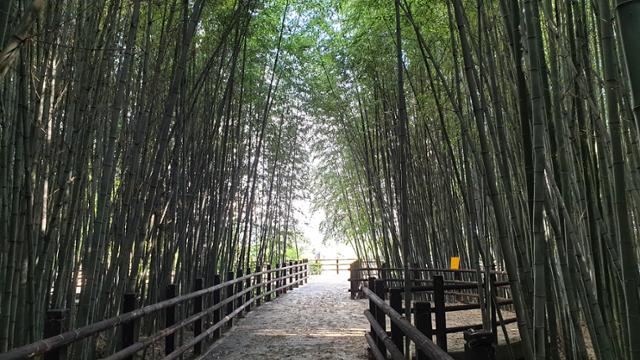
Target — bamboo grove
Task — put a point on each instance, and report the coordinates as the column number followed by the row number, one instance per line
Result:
column 507, row 137
column 150, row 141
column 142, row 143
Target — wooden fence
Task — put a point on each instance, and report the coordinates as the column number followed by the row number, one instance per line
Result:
column 240, row 293
column 435, row 288
column 336, row 265
column 379, row 340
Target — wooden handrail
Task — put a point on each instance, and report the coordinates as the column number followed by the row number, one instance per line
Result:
column 396, row 354
column 72, row 336
column 345, row 259
column 449, row 284
column 422, row 342
column 473, row 271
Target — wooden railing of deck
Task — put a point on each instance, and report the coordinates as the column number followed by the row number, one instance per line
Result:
column 241, row 292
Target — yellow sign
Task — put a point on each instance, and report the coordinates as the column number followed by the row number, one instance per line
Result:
column 455, row 263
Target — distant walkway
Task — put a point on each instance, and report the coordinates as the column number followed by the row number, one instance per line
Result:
column 315, row 321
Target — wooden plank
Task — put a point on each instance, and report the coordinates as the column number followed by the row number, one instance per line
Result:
column 419, row 339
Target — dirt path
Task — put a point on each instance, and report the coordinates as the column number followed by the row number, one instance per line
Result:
column 315, row 321
column 318, row 321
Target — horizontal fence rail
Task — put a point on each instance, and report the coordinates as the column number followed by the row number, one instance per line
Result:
column 380, row 342
column 240, row 293
column 432, row 290
column 324, row 265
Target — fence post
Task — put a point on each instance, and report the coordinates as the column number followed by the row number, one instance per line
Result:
column 127, row 335
column 290, row 276
column 423, row 323
column 249, row 293
column 372, row 307
column 267, row 293
column 382, row 272
column 306, row 271
column 276, row 282
column 228, row 295
column 301, row 271
column 297, row 276
column 352, row 282
column 479, row 345
column 494, row 307
column 417, row 275
column 337, row 267
column 380, row 317
column 284, row 273
column 258, row 286
column 56, row 322
column 280, row 280
column 395, row 300
column 239, row 285
column 197, row 308
column 441, row 316
column 216, row 301
column 169, row 320
column 457, row 275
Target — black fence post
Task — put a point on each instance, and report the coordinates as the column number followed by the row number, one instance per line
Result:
column 239, row 286
column 296, row 276
column 56, row 322
column 382, row 273
column 441, row 316
column 395, row 300
column 229, row 295
column 249, row 295
column 258, row 286
column 353, row 284
column 170, row 319
column 197, row 308
column 285, row 280
column 284, row 274
column 457, row 275
column 372, row 307
column 268, row 291
column 290, row 276
column 337, row 267
column 380, row 316
column 423, row 323
column 301, row 272
column 127, row 335
column 416, row 274
column 494, row 307
column 216, row 300
column 306, row 270
column 278, row 281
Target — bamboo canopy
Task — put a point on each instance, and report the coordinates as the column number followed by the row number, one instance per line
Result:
column 148, row 143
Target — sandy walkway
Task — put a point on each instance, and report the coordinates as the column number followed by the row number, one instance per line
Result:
column 315, row 321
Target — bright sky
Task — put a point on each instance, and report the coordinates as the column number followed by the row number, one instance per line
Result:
column 310, row 227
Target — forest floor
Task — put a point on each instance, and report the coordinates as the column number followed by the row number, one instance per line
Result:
column 316, row 321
